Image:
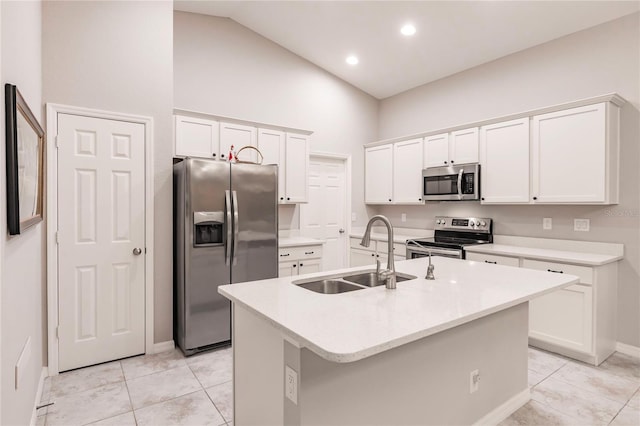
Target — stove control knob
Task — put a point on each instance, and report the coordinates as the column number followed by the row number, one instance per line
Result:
column 438, row 221
column 483, row 223
column 471, row 223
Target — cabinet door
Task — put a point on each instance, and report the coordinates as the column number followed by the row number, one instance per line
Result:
column 407, row 172
column 296, row 168
column 287, row 268
column 504, row 160
column 564, row 318
column 378, row 174
column 271, row 144
column 239, row 136
column 463, row 146
column 436, row 150
column 569, row 155
column 362, row 258
column 309, row 266
column 197, row 137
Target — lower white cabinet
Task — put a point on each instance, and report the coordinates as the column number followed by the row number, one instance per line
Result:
column 299, row 260
column 365, row 256
column 493, row 259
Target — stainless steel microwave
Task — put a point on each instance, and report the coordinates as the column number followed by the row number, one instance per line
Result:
column 451, row 183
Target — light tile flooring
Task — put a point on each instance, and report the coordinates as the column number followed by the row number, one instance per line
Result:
column 169, row 389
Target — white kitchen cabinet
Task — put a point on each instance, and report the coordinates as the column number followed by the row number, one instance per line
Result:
column 493, row 259
column 463, row 146
column 271, row 144
column 575, row 155
column 238, row 136
column 362, row 257
column 379, row 174
column 377, row 250
column 436, row 150
column 299, row 260
column 196, row 137
column 296, row 168
column 407, row 172
column 504, row 161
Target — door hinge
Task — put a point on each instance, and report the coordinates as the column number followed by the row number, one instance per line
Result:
column 57, row 141
column 57, row 237
column 57, row 332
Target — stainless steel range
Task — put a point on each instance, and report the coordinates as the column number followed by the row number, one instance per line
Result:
column 451, row 236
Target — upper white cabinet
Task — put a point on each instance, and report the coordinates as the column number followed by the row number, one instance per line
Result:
column 504, row 161
column 436, row 150
column 575, row 155
column 238, row 136
column 290, row 152
column 459, row 147
column 296, row 168
column 407, row 172
column 379, row 174
column 197, row 137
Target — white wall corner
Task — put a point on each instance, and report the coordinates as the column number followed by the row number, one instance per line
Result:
column 630, row 350
column 167, row 346
column 34, row 414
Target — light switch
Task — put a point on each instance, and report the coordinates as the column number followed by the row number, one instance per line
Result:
column 547, row 223
column 353, row 217
column 403, row 217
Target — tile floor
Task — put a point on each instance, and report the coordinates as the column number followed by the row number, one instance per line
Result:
column 169, row 389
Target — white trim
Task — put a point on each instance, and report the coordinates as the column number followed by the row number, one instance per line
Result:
column 348, row 184
column 630, row 350
column 52, row 111
column 506, row 409
column 34, row 413
column 157, row 348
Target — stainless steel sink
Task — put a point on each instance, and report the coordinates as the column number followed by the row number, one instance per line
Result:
column 329, row 286
column 370, row 278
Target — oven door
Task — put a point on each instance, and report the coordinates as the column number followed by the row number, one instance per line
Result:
column 452, row 183
column 416, row 252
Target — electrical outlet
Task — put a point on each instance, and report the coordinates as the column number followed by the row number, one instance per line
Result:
column 581, row 225
column 403, row 217
column 291, row 384
column 474, row 381
column 353, row 217
column 547, row 223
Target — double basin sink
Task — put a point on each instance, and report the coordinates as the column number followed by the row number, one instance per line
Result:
column 341, row 283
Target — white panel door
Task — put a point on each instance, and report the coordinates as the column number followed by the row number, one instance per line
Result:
column 569, row 155
column 504, row 158
column 407, row 172
column 238, row 136
column 287, row 268
column 463, row 146
column 296, row 166
column 271, row 145
column 324, row 216
column 309, row 266
column 101, row 225
column 378, row 174
column 197, row 137
column 436, row 150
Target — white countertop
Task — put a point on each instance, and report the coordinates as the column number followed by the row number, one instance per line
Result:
column 351, row 326
column 552, row 255
column 298, row 241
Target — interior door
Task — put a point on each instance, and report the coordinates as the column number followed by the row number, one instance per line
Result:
column 101, row 240
column 323, row 217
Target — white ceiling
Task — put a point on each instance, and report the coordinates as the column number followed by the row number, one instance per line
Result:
column 451, row 35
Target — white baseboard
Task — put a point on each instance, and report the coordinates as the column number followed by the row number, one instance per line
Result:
column 623, row 348
column 161, row 347
column 34, row 414
column 505, row 410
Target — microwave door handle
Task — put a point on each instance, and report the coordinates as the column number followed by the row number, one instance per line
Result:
column 235, row 227
column 227, row 209
column 460, row 184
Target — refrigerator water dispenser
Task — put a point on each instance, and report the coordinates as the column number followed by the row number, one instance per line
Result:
column 208, row 229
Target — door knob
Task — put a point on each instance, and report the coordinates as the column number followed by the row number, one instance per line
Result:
column 341, row 231
column 137, row 251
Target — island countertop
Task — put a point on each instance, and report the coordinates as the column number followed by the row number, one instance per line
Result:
column 350, row 326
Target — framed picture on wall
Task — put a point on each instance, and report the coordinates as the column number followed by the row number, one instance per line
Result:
column 25, row 163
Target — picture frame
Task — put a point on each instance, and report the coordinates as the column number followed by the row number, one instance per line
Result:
column 25, row 163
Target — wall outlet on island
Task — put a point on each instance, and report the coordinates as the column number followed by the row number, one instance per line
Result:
column 581, row 225
column 547, row 223
column 291, row 384
column 403, row 217
column 474, row 381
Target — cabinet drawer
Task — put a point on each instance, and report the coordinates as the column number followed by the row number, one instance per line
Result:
column 584, row 272
column 490, row 258
column 297, row 253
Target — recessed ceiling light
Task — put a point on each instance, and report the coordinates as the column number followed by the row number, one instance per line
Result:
column 408, row 30
column 352, row 60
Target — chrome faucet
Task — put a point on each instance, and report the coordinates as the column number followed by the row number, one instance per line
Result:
column 430, row 269
column 388, row 275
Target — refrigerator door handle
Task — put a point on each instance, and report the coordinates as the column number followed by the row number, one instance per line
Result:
column 227, row 210
column 235, row 227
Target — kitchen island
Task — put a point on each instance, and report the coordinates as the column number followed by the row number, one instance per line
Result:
column 380, row 356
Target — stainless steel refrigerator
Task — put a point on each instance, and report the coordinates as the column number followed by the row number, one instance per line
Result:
column 225, row 231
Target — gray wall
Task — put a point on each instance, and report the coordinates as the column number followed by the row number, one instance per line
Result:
column 596, row 61
column 24, row 266
column 118, row 56
column 223, row 68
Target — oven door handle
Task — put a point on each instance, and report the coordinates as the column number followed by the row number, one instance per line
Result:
column 460, row 184
column 451, row 252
